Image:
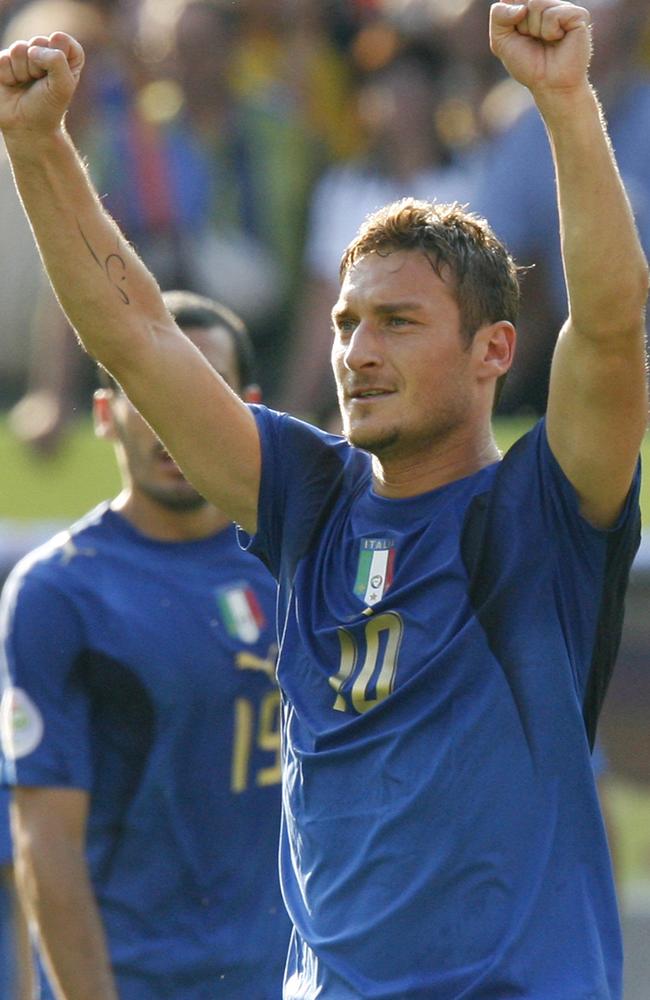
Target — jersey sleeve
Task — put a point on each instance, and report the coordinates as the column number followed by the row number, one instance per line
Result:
column 44, row 718
column 590, row 561
column 303, row 470
column 531, row 528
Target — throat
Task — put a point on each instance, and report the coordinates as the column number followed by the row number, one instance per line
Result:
column 403, row 475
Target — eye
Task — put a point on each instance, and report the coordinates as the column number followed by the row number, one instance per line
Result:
column 399, row 321
column 344, row 325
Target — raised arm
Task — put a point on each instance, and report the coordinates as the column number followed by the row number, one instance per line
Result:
column 110, row 298
column 597, row 407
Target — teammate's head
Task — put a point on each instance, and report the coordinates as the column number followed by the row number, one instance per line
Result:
column 196, row 312
column 460, row 247
column 145, row 465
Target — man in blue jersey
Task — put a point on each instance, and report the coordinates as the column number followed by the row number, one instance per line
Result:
column 448, row 617
column 141, row 729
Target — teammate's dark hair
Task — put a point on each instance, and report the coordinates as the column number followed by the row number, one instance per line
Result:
column 190, row 310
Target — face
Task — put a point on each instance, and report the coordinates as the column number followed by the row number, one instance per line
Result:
column 402, row 368
column 146, row 466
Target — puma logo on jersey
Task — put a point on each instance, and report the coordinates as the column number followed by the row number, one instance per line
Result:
column 69, row 550
column 248, row 661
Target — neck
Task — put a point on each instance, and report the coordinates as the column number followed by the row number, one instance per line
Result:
column 164, row 524
column 408, row 475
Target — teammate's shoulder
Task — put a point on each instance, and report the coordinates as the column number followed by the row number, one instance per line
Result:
column 57, row 551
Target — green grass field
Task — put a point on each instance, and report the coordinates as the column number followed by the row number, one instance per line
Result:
column 83, row 472
column 61, row 487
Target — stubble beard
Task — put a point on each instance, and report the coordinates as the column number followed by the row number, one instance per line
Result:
column 181, row 501
column 396, row 441
column 376, row 443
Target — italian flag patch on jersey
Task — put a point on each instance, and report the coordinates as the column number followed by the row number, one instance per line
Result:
column 241, row 612
column 374, row 569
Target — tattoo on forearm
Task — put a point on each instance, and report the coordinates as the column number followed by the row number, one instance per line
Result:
column 114, row 267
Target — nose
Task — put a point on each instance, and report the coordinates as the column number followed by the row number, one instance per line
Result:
column 362, row 349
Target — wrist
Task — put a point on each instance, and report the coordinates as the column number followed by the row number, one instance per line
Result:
column 559, row 104
column 28, row 145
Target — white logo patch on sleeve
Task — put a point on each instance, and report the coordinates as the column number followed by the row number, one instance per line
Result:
column 21, row 724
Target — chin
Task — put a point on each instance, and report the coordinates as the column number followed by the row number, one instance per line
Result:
column 374, row 440
column 184, row 501
column 180, row 500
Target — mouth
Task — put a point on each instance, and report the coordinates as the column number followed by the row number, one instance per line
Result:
column 367, row 395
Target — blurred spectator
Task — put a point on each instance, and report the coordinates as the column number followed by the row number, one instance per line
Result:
column 244, row 156
column 287, row 57
column 37, row 349
column 209, row 185
column 517, row 192
column 206, row 124
column 405, row 155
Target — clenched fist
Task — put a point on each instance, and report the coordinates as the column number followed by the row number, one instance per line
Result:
column 37, row 80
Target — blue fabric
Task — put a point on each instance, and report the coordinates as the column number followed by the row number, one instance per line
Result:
column 5, row 831
column 151, row 667
column 442, row 836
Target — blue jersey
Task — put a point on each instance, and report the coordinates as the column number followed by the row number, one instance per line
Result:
column 144, row 672
column 443, row 661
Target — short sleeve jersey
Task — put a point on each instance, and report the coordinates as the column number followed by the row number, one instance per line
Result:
column 443, row 661
column 144, row 673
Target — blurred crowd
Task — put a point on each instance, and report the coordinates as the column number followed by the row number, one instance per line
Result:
column 239, row 144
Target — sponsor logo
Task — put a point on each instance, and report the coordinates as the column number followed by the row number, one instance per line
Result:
column 21, row 724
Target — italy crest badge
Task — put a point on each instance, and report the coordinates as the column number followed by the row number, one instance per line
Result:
column 374, row 569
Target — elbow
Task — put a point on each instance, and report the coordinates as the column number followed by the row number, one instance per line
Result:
column 631, row 298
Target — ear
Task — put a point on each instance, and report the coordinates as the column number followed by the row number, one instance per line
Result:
column 103, row 414
column 252, row 394
column 494, row 349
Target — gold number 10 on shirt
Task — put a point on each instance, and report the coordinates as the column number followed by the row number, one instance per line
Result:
column 382, row 637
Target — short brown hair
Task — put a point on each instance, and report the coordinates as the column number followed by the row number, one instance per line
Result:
column 459, row 245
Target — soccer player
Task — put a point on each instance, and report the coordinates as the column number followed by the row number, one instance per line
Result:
column 141, row 729
column 448, row 617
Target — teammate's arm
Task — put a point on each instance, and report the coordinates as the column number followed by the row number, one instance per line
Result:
column 48, row 827
column 110, row 298
column 597, row 407
column 20, row 962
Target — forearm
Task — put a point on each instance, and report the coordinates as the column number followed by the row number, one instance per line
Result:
column 23, row 964
column 56, row 891
column 605, row 267
column 110, row 298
